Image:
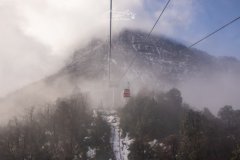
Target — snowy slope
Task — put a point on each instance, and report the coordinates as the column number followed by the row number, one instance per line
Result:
column 120, row 145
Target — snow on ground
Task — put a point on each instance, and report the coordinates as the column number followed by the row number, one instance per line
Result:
column 120, row 145
column 91, row 153
column 152, row 143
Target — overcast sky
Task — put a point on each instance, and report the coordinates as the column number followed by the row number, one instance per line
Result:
column 37, row 36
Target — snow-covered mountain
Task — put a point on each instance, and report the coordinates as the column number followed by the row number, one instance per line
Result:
column 158, row 63
column 156, row 58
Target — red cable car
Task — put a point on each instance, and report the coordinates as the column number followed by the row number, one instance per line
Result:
column 126, row 93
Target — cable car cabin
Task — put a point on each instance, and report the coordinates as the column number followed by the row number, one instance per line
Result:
column 126, row 93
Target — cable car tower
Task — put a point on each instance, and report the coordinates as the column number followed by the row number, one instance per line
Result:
column 110, row 83
column 126, row 91
column 110, row 46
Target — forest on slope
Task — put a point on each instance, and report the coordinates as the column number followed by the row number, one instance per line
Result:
column 159, row 124
column 66, row 130
column 163, row 127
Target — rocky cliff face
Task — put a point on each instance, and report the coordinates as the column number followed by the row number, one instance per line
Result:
column 157, row 58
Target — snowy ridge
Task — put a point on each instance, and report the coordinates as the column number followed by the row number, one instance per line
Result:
column 158, row 57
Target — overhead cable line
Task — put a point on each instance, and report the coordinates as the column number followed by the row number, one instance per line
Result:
column 158, row 19
column 149, row 34
column 209, row 35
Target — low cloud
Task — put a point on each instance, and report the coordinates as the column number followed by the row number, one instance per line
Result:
column 213, row 92
column 38, row 35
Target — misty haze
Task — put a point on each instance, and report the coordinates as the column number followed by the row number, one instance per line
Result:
column 119, row 80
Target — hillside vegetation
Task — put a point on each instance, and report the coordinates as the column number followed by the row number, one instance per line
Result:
column 67, row 130
column 163, row 127
column 159, row 126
